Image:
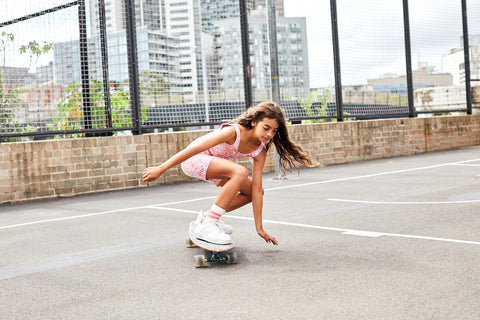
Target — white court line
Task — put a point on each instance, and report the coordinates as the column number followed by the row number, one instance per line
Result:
column 405, row 202
column 354, row 232
column 173, row 209
column 372, row 175
column 97, row 214
column 67, row 218
column 212, row 197
column 466, row 165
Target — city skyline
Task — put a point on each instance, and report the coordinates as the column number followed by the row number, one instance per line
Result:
column 371, row 41
column 371, row 35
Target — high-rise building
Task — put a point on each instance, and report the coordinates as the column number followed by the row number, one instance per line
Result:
column 279, row 7
column 209, row 43
column 157, row 52
column 292, row 56
column 183, row 22
column 148, row 13
column 114, row 16
column 218, row 10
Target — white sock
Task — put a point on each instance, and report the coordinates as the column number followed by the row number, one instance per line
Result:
column 214, row 213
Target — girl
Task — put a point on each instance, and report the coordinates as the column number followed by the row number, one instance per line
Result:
column 210, row 158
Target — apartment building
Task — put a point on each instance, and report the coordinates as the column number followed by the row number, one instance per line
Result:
column 292, row 56
column 454, row 64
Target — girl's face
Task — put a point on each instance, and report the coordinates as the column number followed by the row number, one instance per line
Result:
column 265, row 129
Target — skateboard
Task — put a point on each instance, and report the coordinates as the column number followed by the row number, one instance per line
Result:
column 214, row 253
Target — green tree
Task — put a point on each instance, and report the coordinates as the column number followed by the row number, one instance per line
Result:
column 317, row 111
column 9, row 97
column 70, row 116
column 70, row 109
column 10, row 92
column 152, row 86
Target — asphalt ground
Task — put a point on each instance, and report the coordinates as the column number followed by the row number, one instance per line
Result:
column 394, row 238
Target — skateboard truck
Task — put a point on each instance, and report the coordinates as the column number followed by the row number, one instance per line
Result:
column 228, row 258
column 213, row 253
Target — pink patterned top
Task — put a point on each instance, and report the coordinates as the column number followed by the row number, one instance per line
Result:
column 197, row 165
column 230, row 151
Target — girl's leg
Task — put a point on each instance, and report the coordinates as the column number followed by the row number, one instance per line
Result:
column 235, row 179
column 234, row 176
column 243, row 197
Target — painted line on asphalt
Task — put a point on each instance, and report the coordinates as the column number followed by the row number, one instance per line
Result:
column 213, row 197
column 67, row 218
column 405, row 202
column 372, row 175
column 88, row 215
column 353, row 232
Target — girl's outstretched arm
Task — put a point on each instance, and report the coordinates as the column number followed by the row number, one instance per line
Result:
column 203, row 143
column 257, row 196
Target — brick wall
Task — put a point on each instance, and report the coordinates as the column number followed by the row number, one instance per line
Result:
column 61, row 168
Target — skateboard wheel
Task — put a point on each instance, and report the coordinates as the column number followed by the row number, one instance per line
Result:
column 190, row 243
column 232, row 257
column 199, row 261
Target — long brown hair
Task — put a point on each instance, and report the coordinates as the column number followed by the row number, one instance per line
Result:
column 288, row 151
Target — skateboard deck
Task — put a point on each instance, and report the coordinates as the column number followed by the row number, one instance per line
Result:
column 213, row 252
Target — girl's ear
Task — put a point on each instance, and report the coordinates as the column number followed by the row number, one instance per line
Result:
column 254, row 123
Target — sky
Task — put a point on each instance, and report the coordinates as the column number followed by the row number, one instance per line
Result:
column 370, row 33
column 47, row 28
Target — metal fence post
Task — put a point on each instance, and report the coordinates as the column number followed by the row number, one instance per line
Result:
column 247, row 76
column 336, row 61
column 133, row 66
column 82, row 24
column 103, row 46
column 466, row 54
column 408, row 59
column 274, row 74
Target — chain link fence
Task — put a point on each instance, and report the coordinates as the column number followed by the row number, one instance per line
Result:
column 107, row 67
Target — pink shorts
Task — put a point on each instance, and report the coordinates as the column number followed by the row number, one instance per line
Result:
column 196, row 167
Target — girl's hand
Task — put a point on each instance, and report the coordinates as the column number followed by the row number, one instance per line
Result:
column 267, row 237
column 151, row 174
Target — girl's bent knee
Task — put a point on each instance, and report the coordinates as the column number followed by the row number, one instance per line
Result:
column 241, row 172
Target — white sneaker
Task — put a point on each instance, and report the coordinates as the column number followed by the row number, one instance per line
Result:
column 196, row 222
column 228, row 229
column 210, row 232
